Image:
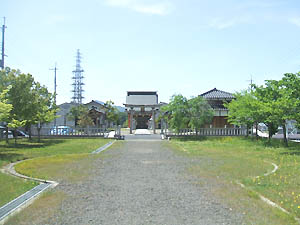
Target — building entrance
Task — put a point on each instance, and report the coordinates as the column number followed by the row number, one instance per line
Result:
column 142, row 122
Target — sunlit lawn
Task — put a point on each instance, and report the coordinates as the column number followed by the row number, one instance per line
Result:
column 59, row 151
column 246, row 161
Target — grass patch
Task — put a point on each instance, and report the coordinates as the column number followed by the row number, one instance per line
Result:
column 44, row 208
column 51, row 155
column 11, row 187
column 228, row 160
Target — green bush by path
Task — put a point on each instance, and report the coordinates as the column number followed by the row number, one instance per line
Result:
column 62, row 149
column 246, row 161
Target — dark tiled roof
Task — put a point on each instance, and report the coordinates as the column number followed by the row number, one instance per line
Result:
column 217, row 94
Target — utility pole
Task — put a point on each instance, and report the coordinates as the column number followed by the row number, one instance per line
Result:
column 55, row 69
column 2, row 53
column 251, row 82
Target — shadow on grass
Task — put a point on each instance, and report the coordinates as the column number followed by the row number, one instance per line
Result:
column 30, row 144
column 190, row 138
column 295, row 153
column 11, row 157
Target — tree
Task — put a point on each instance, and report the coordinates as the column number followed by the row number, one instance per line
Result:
column 245, row 109
column 4, row 107
column 14, row 124
column 176, row 112
column 80, row 113
column 282, row 100
column 122, row 117
column 85, row 120
column 111, row 112
column 199, row 112
column 31, row 102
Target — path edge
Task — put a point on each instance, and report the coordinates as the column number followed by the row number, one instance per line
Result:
column 10, row 170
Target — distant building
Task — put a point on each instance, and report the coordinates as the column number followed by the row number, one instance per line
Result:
column 216, row 99
column 63, row 112
column 97, row 113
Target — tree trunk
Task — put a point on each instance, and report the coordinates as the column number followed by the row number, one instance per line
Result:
column 247, row 127
column 256, row 129
column 29, row 132
column 39, row 134
column 285, row 141
column 6, row 135
column 15, row 135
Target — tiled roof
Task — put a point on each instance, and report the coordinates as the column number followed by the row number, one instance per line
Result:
column 99, row 102
column 217, row 94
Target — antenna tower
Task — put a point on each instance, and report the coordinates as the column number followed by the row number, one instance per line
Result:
column 2, row 45
column 77, row 81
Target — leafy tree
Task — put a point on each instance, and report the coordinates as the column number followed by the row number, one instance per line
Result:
column 176, row 112
column 199, row 112
column 76, row 112
column 111, row 112
column 122, row 117
column 28, row 98
column 241, row 109
column 4, row 107
column 281, row 99
column 14, row 124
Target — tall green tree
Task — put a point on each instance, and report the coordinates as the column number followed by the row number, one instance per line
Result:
column 199, row 112
column 241, row 109
column 111, row 113
column 45, row 108
column 80, row 114
column 281, row 100
column 28, row 98
column 176, row 113
column 5, row 108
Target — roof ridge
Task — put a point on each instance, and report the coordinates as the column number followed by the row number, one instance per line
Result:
column 218, row 91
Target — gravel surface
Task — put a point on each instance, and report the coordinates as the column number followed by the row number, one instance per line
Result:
column 141, row 182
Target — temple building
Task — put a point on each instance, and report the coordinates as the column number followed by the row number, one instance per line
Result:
column 216, row 99
column 143, row 109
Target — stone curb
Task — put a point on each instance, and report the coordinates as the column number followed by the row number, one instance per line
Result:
column 10, row 170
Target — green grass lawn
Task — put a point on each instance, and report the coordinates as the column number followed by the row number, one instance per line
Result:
column 58, row 152
column 229, row 160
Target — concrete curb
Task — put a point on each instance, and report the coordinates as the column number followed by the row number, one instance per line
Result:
column 104, row 147
column 266, row 200
column 28, row 197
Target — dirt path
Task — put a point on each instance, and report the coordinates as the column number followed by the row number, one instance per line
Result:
column 139, row 182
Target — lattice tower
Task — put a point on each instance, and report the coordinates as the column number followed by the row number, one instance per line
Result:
column 77, row 81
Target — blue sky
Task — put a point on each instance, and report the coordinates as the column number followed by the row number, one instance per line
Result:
column 169, row 46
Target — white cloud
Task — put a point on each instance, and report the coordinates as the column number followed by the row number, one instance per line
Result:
column 55, row 19
column 295, row 21
column 221, row 23
column 161, row 8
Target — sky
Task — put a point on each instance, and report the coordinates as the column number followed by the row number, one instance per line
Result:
column 170, row 46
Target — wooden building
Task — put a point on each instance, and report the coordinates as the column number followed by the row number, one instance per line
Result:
column 216, row 98
column 97, row 113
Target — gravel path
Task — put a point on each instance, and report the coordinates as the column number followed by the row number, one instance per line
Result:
column 141, row 182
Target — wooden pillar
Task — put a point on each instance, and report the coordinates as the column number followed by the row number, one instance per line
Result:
column 131, row 119
column 153, row 120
